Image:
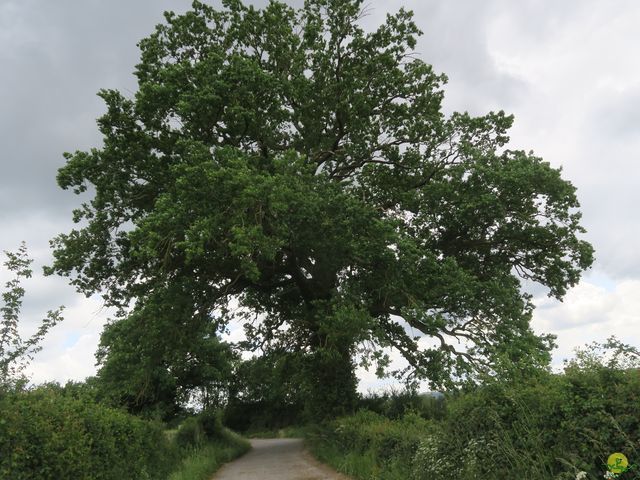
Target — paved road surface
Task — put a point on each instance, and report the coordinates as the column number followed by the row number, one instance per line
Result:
column 277, row 459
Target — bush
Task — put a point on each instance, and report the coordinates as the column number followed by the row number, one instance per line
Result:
column 368, row 445
column 191, row 434
column 395, row 404
column 548, row 427
column 45, row 435
column 258, row 416
column 202, row 463
column 211, row 422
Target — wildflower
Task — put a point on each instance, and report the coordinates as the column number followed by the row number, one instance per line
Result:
column 581, row 475
column 610, row 475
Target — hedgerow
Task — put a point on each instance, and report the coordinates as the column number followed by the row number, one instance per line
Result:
column 45, row 435
column 553, row 426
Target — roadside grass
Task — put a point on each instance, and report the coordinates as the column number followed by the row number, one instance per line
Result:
column 204, row 461
column 355, row 464
column 375, row 455
column 171, row 434
column 552, row 426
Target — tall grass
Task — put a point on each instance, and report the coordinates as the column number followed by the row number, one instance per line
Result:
column 204, row 461
column 355, row 464
column 368, row 445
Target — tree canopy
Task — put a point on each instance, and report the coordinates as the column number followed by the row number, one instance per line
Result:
column 159, row 359
column 293, row 171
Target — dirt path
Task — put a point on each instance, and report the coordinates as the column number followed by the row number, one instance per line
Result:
column 277, row 459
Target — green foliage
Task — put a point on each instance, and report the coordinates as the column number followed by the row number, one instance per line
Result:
column 155, row 374
column 211, row 421
column 86, row 390
column 47, row 435
column 329, row 384
column 190, row 434
column 367, row 445
column 550, row 427
column 292, row 431
column 282, row 389
column 56, row 432
column 265, row 394
column 205, row 427
column 498, row 430
column 601, row 409
column 202, row 463
column 395, row 404
column 16, row 352
column 612, row 354
column 294, row 165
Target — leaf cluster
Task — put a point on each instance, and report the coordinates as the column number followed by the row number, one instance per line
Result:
column 15, row 351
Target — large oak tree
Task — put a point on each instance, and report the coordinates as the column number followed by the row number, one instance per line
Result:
column 300, row 167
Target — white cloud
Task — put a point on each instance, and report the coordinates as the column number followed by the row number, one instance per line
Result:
column 74, row 363
column 69, row 349
column 589, row 313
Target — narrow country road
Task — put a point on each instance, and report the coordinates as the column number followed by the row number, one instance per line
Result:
column 277, row 459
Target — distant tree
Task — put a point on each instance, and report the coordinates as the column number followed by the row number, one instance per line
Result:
column 295, row 164
column 16, row 352
column 267, row 392
column 610, row 354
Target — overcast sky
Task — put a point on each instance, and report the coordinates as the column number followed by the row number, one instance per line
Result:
column 568, row 71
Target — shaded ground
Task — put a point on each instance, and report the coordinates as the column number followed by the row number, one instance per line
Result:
column 277, row 459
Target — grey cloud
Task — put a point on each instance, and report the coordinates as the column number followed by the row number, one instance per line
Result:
column 608, row 180
column 55, row 57
column 617, row 116
column 455, row 43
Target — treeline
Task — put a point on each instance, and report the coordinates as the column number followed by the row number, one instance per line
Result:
column 551, row 426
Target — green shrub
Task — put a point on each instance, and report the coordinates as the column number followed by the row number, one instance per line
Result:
column 548, row 427
column 368, row 445
column 203, row 462
column 396, row 403
column 45, row 435
column 258, row 416
column 190, row 433
column 211, row 422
